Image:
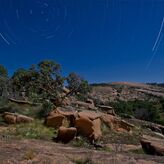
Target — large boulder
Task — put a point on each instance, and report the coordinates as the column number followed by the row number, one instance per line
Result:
column 9, row 118
column 90, row 114
column 152, row 145
column 88, row 128
column 23, row 119
column 12, row 118
column 65, row 135
column 68, row 117
column 97, row 133
column 84, row 126
column 55, row 120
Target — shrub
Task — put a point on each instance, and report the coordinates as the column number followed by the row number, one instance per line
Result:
column 144, row 110
column 47, row 107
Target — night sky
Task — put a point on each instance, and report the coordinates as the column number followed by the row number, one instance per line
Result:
column 102, row 40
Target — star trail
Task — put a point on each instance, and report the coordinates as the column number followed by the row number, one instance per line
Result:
column 103, row 40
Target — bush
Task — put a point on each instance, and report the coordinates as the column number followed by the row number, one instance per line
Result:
column 144, row 110
column 47, row 107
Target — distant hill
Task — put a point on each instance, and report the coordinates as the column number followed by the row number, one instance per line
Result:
column 127, row 91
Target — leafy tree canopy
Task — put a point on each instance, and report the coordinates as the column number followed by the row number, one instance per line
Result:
column 3, row 71
column 46, row 81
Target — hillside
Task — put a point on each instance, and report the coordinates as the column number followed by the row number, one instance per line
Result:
column 125, row 91
column 113, row 125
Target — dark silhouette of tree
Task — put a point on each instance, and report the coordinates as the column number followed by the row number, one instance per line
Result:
column 3, row 81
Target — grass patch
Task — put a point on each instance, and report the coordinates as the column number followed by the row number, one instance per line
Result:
column 138, row 151
column 105, row 129
column 81, row 142
column 2, row 123
column 106, row 149
column 82, row 161
column 34, row 130
column 25, row 109
column 111, row 136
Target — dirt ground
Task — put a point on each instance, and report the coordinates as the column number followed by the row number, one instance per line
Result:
column 14, row 151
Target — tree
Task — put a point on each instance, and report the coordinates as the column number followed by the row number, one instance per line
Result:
column 22, row 81
column 78, row 85
column 3, row 71
column 74, row 82
column 3, row 81
column 49, row 79
column 44, row 81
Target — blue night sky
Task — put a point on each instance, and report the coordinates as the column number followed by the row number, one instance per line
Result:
column 102, row 40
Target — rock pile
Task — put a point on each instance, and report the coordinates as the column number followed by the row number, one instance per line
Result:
column 12, row 118
column 87, row 123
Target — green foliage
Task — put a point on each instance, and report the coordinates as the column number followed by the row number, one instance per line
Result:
column 84, row 87
column 81, row 142
column 3, row 101
column 49, row 68
column 105, row 129
column 46, row 108
column 74, row 81
column 144, row 110
column 3, row 81
column 41, row 82
column 25, row 109
column 3, row 71
column 77, row 84
column 138, row 151
column 24, row 81
column 34, row 130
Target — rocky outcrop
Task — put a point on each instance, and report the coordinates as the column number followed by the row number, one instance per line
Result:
column 152, row 146
column 107, row 109
column 12, row 118
column 42, row 152
column 116, row 124
column 88, row 123
column 156, row 128
column 124, row 91
column 85, row 105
